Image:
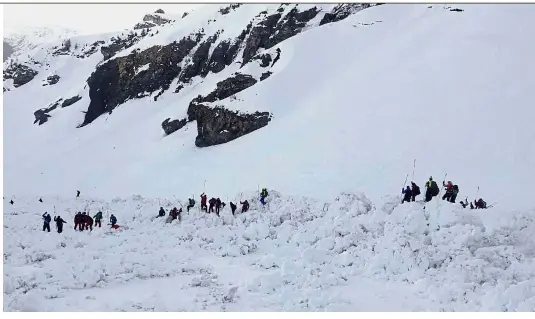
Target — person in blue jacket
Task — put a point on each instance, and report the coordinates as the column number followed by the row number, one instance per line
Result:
column 113, row 220
column 408, row 194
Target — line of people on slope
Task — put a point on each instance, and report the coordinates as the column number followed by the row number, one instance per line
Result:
column 432, row 190
column 82, row 221
column 214, row 206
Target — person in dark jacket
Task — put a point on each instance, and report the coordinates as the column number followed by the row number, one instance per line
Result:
column 98, row 219
column 40, row 200
column 217, row 206
column 77, row 194
column 211, row 202
column 47, row 219
column 174, row 213
column 113, row 220
column 408, row 194
column 232, row 208
column 245, row 206
column 431, row 189
column 263, row 196
column 59, row 223
column 78, row 220
column 415, row 191
column 161, row 213
column 191, row 203
column 203, row 202
column 480, row 204
column 454, row 192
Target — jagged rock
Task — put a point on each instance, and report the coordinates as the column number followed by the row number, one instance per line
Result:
column 219, row 125
column 71, row 101
column 229, row 87
column 64, row 50
column 457, row 10
column 199, row 61
column 51, row 80
column 259, row 36
column 291, row 25
column 342, row 11
column 42, row 115
column 185, row 14
column 170, row 127
column 118, row 45
column 232, row 6
column 21, row 74
column 180, row 87
column 265, row 75
column 116, row 81
column 264, row 58
column 159, row 11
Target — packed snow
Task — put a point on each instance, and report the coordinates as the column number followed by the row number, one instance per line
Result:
column 295, row 254
column 354, row 103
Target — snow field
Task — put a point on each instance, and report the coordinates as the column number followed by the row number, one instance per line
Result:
column 298, row 254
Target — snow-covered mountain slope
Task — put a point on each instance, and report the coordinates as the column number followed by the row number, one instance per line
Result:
column 347, row 106
column 24, row 39
column 297, row 254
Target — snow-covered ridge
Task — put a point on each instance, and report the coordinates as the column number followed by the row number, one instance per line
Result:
column 346, row 254
column 25, row 39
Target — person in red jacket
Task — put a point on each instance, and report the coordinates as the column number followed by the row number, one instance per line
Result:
column 449, row 190
column 203, row 202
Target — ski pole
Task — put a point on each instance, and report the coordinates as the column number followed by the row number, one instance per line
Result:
column 413, row 169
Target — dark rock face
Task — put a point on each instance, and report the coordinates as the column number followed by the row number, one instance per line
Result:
column 232, row 6
column 170, row 127
column 93, row 48
column 116, row 81
column 42, row 115
column 65, row 49
column 118, row 45
column 185, row 15
column 151, row 20
column 218, row 125
column 229, row 87
column 21, row 74
column 70, row 101
column 199, row 61
column 259, row 36
column 342, row 11
column 265, row 59
column 291, row 25
column 265, row 75
column 51, row 80
column 277, row 57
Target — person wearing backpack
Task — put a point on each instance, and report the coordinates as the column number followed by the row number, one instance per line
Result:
column 449, row 191
column 415, row 191
column 191, row 203
column 263, row 196
column 454, row 193
column 98, row 219
column 47, row 219
column 408, row 194
column 431, row 189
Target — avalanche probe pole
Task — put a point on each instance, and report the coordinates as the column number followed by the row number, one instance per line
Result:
column 413, row 169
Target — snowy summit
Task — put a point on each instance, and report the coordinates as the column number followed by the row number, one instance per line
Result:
column 302, row 124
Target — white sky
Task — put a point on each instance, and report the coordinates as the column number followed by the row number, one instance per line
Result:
column 85, row 18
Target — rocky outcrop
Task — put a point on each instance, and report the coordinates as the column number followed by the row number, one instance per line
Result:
column 65, row 49
column 229, row 87
column 119, row 44
column 218, row 125
column 118, row 80
column 21, row 74
column 227, row 9
column 41, row 115
column 151, row 20
column 159, row 11
column 199, row 62
column 342, row 11
column 70, row 101
column 265, row 75
column 170, row 127
column 265, row 59
column 51, row 80
column 259, row 36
